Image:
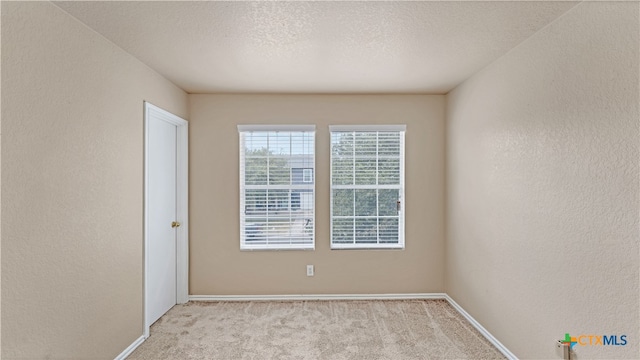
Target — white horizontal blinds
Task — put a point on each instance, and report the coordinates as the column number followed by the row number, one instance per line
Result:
column 277, row 188
column 367, row 181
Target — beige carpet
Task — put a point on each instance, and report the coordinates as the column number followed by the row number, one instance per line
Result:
column 390, row 329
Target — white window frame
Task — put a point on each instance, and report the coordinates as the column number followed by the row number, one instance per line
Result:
column 401, row 209
column 244, row 245
column 307, row 175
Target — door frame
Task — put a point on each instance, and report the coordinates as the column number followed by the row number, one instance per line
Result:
column 182, row 204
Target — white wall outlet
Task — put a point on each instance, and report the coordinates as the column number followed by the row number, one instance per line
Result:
column 309, row 270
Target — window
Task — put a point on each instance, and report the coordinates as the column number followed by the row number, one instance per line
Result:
column 276, row 203
column 307, row 175
column 367, row 187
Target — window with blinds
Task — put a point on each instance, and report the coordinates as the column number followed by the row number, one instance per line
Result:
column 367, row 186
column 277, row 187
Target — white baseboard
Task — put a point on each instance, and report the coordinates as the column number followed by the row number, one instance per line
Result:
column 421, row 296
column 503, row 349
column 123, row 355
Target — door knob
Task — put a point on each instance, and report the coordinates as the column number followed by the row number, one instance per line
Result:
column 175, row 224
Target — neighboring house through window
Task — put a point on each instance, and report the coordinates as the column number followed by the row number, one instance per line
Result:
column 277, row 187
column 307, row 175
column 367, row 186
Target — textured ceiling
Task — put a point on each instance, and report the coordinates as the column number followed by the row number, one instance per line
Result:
column 316, row 47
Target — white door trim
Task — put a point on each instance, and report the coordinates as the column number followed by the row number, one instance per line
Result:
column 182, row 204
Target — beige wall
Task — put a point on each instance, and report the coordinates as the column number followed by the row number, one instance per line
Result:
column 0, row 186
column 542, row 179
column 218, row 267
column 72, row 186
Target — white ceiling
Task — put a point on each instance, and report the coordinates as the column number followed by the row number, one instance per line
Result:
column 316, row 47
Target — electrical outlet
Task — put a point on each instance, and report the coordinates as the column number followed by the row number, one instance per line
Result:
column 309, row 270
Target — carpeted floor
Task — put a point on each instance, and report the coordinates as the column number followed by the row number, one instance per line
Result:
column 389, row 329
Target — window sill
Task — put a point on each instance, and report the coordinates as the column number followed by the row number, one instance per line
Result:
column 310, row 247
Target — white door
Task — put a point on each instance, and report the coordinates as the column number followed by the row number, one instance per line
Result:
column 161, row 208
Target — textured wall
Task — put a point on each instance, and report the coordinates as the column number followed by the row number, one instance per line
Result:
column 0, row 191
column 218, row 266
column 542, row 177
column 72, row 186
